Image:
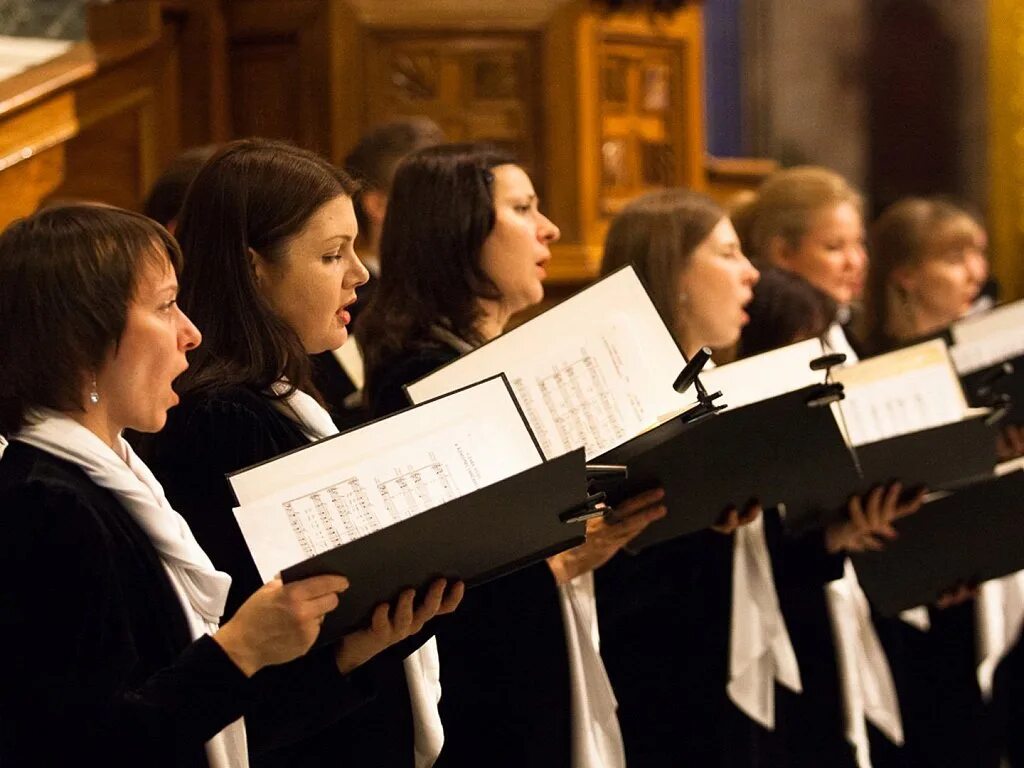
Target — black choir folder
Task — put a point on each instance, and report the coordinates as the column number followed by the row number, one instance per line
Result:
column 455, row 487
column 786, row 449
column 598, row 369
column 965, row 537
column 988, row 349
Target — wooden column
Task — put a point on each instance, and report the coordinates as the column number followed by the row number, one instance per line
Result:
column 1006, row 144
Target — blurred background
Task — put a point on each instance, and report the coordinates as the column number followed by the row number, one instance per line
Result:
column 602, row 100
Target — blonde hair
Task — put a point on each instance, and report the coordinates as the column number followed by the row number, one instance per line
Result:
column 784, row 206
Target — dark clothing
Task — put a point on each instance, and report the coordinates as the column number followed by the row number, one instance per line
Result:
column 100, row 665
column 666, row 618
column 337, row 390
column 946, row 723
column 504, row 668
column 665, row 621
column 812, row 725
column 209, row 435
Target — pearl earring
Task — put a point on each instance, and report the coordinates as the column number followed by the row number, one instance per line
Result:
column 94, row 395
column 683, row 298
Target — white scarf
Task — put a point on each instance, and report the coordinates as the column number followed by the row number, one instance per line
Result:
column 596, row 738
column 999, row 615
column 423, row 666
column 201, row 589
column 865, row 680
column 760, row 651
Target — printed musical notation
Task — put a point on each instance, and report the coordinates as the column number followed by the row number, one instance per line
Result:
column 347, row 487
column 344, row 511
column 905, row 391
column 571, row 404
column 592, row 372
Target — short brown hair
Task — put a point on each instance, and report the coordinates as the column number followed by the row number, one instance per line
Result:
column 375, row 157
column 658, row 233
column 67, row 276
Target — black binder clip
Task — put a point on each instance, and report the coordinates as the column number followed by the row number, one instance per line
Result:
column 593, row 506
column 1000, row 405
column 690, row 377
column 831, row 391
column 986, row 387
column 607, row 473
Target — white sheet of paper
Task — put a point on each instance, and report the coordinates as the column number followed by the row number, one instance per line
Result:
column 989, row 338
column 767, row 375
column 593, row 371
column 900, row 392
column 345, row 487
column 20, row 53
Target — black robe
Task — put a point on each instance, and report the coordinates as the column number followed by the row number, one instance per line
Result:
column 504, row 667
column 100, row 665
column 209, row 435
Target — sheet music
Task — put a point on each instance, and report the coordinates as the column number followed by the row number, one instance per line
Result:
column 593, row 371
column 989, row 338
column 905, row 391
column 767, row 375
column 338, row 490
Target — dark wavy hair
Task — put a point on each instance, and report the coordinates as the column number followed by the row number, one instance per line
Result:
column 67, row 277
column 785, row 309
column 256, row 194
column 440, row 212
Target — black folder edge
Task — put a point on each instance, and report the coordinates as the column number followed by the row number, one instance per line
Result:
column 496, row 530
column 405, row 388
column 680, row 442
column 971, row 536
column 940, row 458
column 404, row 413
column 1011, row 384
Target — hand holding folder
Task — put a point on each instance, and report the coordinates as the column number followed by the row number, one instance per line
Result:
column 455, row 488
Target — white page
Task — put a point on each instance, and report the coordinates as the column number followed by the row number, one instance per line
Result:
column 988, row 338
column 905, row 391
column 345, row 487
column 767, row 375
column 18, row 54
column 593, row 371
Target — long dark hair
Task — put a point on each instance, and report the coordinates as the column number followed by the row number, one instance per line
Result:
column 67, row 277
column 440, row 212
column 253, row 194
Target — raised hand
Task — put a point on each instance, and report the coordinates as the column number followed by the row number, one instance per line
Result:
column 389, row 626
column 732, row 519
column 871, row 516
column 279, row 622
column 606, row 537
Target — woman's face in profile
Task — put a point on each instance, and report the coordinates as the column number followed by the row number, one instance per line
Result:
column 135, row 382
column 516, row 251
column 714, row 289
column 316, row 278
column 944, row 283
column 831, row 255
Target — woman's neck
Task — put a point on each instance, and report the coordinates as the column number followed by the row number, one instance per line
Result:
column 492, row 319
column 98, row 422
